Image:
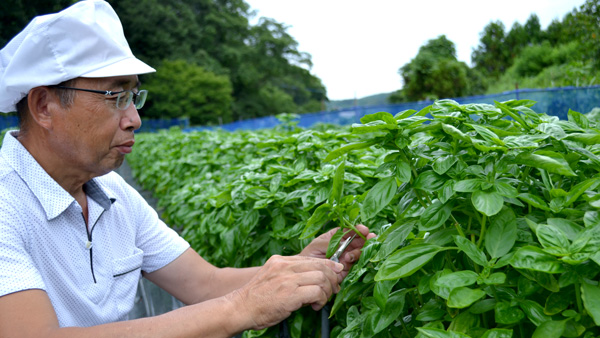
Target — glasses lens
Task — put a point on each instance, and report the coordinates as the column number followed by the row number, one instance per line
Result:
column 140, row 99
column 124, row 99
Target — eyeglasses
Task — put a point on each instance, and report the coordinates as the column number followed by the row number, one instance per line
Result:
column 124, row 97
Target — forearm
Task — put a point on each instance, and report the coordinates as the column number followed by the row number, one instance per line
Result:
column 214, row 318
column 226, row 280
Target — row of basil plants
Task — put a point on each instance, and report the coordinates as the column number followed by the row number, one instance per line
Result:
column 487, row 215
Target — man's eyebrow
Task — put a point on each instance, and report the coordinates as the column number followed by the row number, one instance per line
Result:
column 123, row 82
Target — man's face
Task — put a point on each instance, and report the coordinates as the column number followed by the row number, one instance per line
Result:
column 92, row 135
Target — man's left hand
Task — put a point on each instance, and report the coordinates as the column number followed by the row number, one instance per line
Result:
column 318, row 248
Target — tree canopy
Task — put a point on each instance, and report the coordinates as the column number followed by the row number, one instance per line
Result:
column 567, row 53
column 258, row 67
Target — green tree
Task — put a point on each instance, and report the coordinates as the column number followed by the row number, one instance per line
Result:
column 491, row 56
column 179, row 88
column 16, row 14
column 434, row 73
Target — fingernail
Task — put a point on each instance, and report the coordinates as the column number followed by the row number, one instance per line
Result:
column 351, row 257
column 339, row 267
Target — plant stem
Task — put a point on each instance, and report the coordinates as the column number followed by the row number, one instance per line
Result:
column 578, row 297
column 449, row 260
column 353, row 227
column 482, row 233
column 524, row 177
column 404, row 327
column 458, row 227
column 419, row 198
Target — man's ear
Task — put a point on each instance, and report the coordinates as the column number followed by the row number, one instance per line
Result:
column 42, row 102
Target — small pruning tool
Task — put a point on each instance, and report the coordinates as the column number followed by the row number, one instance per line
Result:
column 340, row 250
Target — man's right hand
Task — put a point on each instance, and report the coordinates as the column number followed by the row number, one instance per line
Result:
column 283, row 285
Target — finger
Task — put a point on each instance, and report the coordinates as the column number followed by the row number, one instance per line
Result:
column 313, row 295
column 323, row 268
column 319, row 279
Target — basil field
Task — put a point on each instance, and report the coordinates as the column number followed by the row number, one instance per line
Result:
column 487, row 215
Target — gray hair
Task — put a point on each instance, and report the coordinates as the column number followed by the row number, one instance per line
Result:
column 66, row 98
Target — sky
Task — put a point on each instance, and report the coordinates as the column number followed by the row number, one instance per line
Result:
column 357, row 46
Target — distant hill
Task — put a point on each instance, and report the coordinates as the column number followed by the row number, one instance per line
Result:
column 372, row 100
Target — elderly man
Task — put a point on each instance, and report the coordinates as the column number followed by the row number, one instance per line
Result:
column 75, row 238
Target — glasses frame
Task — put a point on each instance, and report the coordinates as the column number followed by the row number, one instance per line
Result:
column 138, row 98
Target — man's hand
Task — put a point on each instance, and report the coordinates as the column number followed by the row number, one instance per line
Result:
column 283, row 285
column 318, row 248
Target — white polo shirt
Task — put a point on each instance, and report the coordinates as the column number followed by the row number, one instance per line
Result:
column 91, row 278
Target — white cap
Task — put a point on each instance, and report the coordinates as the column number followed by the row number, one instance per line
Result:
column 84, row 40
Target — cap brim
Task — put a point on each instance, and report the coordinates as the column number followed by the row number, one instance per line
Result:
column 129, row 66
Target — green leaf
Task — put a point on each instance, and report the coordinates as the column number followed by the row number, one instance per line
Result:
column 471, row 250
column 496, row 278
column 591, row 300
column 498, row 333
column 579, row 119
column 348, row 148
column 380, row 116
column 439, row 289
column 502, row 234
column 439, row 333
column 463, row 297
column 457, row 279
column 378, row 198
column 483, row 306
column 372, row 127
column 585, row 138
column 558, row 302
column 296, row 325
column 434, row 216
column 381, row 293
column 334, row 243
column 534, row 311
column 456, row 133
column 554, row 130
column 508, row 314
column 257, row 193
column 571, row 229
column 404, row 114
column 392, row 310
column 534, row 201
column 403, row 172
column 505, row 189
column 487, row 134
column 396, row 237
column 533, row 258
column 338, row 184
column 550, row 236
column 407, row 261
column 316, row 221
column 579, row 189
column 469, row 185
column 443, row 163
column 487, row 202
column 550, row 329
column 429, row 181
column 549, row 161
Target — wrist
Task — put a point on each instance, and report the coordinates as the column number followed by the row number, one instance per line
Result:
column 241, row 318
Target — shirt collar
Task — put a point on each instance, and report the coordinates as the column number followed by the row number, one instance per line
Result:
column 53, row 198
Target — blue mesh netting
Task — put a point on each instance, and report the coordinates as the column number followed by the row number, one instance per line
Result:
column 152, row 125
column 552, row 101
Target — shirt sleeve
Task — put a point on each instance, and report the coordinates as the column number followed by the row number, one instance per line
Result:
column 17, row 270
